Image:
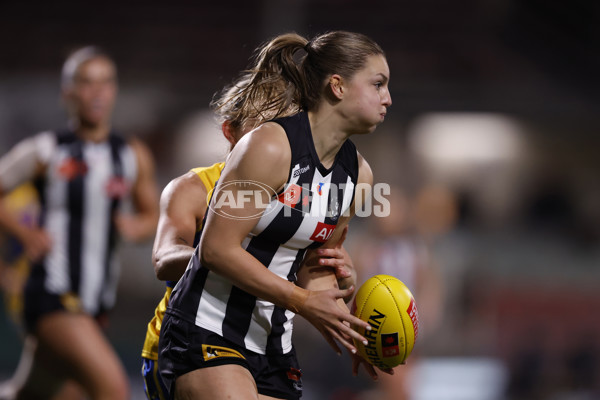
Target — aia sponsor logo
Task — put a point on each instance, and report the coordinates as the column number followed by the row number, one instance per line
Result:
column 71, row 168
column 322, row 232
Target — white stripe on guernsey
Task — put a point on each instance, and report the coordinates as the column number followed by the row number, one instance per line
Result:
column 348, row 196
column 95, row 224
column 260, row 327
column 286, row 338
column 260, row 324
column 213, row 303
column 57, row 225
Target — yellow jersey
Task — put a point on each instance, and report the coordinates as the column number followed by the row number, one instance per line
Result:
column 209, row 177
column 23, row 203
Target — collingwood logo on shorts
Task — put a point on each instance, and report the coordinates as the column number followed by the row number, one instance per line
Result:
column 299, row 171
column 213, row 352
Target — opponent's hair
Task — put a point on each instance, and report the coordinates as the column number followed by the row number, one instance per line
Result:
column 74, row 61
column 281, row 81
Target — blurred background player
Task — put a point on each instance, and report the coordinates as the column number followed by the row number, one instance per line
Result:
column 400, row 245
column 183, row 206
column 87, row 179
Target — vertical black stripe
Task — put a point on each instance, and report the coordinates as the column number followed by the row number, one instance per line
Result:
column 185, row 297
column 75, row 189
column 116, row 145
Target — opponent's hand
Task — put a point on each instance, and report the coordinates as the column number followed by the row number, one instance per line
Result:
column 321, row 309
column 36, row 243
column 357, row 360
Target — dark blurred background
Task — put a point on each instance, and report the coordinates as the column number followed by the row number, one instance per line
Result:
column 492, row 145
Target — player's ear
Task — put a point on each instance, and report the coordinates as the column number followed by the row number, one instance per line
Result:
column 336, row 85
column 228, row 132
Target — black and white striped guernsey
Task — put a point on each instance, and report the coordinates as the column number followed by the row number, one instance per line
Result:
column 84, row 184
column 304, row 214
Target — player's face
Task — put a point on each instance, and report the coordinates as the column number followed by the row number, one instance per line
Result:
column 368, row 95
column 93, row 92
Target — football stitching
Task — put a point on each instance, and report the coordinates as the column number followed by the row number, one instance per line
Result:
column 399, row 314
column 367, row 298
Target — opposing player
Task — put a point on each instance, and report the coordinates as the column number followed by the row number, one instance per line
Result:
column 183, row 205
column 227, row 330
column 85, row 175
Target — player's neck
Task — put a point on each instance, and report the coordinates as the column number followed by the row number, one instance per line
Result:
column 327, row 136
column 91, row 132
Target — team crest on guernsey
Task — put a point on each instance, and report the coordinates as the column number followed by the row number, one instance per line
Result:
column 334, row 209
column 291, row 196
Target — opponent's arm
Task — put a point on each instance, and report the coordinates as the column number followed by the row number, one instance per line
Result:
column 182, row 208
column 338, row 259
column 141, row 225
column 262, row 156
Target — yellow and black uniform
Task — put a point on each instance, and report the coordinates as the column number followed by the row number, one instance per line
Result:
column 154, row 386
column 22, row 202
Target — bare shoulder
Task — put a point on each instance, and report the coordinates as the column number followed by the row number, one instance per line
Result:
column 262, row 155
column 365, row 174
column 187, row 184
column 183, row 188
column 269, row 140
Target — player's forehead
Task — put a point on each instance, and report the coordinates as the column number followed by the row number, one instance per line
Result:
column 375, row 66
column 96, row 67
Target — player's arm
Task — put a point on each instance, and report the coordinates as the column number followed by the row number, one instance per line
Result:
column 335, row 258
column 182, row 208
column 22, row 164
column 264, row 156
column 316, row 272
column 141, row 225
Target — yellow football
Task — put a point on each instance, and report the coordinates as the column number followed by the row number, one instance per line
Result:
column 389, row 307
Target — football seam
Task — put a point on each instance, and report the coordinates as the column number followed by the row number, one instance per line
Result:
column 400, row 315
column 367, row 299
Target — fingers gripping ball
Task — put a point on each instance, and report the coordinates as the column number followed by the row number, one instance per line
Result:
column 388, row 306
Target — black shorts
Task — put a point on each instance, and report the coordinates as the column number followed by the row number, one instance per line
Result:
column 185, row 347
column 37, row 302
